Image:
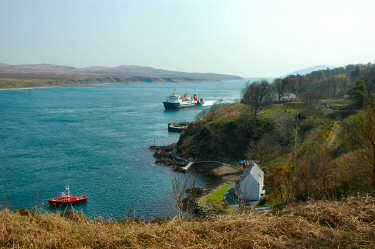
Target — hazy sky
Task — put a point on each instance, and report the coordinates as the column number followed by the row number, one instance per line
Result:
column 245, row 37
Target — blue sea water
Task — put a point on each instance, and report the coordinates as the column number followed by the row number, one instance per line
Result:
column 95, row 139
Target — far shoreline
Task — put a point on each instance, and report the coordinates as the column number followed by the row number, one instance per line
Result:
column 109, row 83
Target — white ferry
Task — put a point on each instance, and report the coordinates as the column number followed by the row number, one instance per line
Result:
column 176, row 101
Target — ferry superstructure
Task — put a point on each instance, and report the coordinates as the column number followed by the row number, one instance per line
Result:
column 176, row 101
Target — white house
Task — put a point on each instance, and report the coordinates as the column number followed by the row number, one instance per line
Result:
column 250, row 186
column 288, row 96
column 274, row 96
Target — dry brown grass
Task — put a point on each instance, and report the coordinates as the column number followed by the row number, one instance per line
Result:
column 232, row 112
column 322, row 224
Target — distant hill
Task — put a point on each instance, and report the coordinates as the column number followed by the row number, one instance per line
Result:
column 308, row 70
column 47, row 75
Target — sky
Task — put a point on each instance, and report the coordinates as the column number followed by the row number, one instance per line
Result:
column 249, row 38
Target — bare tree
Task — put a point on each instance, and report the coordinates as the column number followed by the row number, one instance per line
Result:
column 210, row 113
column 284, row 128
column 312, row 97
column 280, row 86
column 217, row 105
column 315, row 175
column 241, row 197
column 179, row 187
column 254, row 95
column 201, row 114
column 36, row 199
column 6, row 203
column 264, row 149
column 292, row 83
column 360, row 132
column 343, row 84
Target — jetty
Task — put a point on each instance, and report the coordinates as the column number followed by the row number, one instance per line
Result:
column 215, row 167
column 187, row 167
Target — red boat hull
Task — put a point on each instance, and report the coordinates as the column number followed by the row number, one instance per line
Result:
column 67, row 201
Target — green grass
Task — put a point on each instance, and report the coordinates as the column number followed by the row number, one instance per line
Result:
column 272, row 111
column 277, row 160
column 218, row 197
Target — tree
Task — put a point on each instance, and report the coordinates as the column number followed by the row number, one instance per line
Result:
column 358, row 92
column 334, row 86
column 264, row 149
column 360, row 136
column 281, row 183
column 210, row 113
column 314, row 176
column 369, row 79
column 355, row 73
column 180, row 185
column 217, row 105
column 292, row 83
column 254, row 95
column 343, row 83
column 279, row 85
column 312, row 97
column 284, row 128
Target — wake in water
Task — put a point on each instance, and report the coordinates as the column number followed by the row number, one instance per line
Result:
column 225, row 101
column 209, row 102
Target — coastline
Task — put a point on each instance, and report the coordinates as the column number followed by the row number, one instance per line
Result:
column 166, row 155
column 32, row 76
column 176, row 81
column 44, row 87
column 96, row 84
column 195, row 201
column 28, row 88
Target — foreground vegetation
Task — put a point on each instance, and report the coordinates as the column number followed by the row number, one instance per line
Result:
column 320, row 224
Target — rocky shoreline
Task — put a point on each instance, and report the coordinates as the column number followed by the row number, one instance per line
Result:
column 167, row 156
column 195, row 202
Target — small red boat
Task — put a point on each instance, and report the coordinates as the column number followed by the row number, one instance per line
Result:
column 67, row 199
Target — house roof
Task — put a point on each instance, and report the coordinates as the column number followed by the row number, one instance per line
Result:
column 247, row 162
column 255, row 172
column 289, row 95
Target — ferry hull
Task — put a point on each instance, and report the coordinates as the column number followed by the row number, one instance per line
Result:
column 174, row 106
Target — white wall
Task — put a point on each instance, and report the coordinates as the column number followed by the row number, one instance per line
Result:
column 250, row 188
column 251, row 185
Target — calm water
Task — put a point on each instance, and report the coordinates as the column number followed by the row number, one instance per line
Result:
column 95, row 139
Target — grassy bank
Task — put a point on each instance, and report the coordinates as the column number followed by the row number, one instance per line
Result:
column 322, row 224
column 218, row 197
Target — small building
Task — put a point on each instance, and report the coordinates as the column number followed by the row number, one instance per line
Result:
column 250, row 186
column 272, row 96
column 288, row 96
